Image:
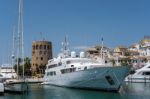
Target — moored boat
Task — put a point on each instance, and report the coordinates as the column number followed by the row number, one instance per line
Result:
column 141, row 75
column 81, row 72
column 16, row 86
column 7, row 71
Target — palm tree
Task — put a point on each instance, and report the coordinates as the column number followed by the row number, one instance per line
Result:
column 27, row 66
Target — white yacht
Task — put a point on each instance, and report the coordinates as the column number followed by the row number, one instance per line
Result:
column 7, row 71
column 141, row 75
column 81, row 72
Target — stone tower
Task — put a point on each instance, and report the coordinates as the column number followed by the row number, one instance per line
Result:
column 41, row 53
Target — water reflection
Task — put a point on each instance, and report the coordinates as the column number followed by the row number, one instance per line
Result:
column 136, row 90
column 128, row 91
column 67, row 93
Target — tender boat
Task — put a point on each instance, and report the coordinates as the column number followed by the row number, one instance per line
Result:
column 141, row 75
column 81, row 72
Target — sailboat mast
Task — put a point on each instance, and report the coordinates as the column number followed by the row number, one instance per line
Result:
column 22, row 36
column 13, row 47
column 20, row 53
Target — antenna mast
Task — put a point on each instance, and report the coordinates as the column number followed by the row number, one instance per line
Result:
column 65, row 48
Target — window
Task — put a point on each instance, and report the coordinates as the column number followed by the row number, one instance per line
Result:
column 68, row 70
column 48, row 47
column 60, row 63
column 45, row 47
column 72, row 65
column 36, row 47
column 1, row 75
column 52, row 66
column 40, row 52
column 44, row 52
column 52, row 73
column 146, row 73
column 68, row 62
column 40, row 46
column 41, row 58
column 33, row 47
column 36, row 58
column 33, row 52
column 85, row 68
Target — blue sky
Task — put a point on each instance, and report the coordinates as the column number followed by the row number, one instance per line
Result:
column 119, row 22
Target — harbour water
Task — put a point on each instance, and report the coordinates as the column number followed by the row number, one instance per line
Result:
column 37, row 91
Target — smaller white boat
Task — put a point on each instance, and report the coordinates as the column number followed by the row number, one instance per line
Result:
column 141, row 75
column 16, row 85
column 7, row 71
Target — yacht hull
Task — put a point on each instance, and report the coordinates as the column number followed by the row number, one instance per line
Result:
column 100, row 78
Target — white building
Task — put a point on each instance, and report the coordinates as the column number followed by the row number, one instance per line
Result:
column 145, row 46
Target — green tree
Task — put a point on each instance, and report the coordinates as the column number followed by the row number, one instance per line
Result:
column 113, row 62
column 27, row 66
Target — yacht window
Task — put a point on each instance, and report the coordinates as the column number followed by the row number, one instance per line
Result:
column 68, row 70
column 47, row 73
column 52, row 66
column 72, row 65
column 1, row 75
column 68, row 62
column 52, row 73
column 60, row 63
column 146, row 73
column 85, row 68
